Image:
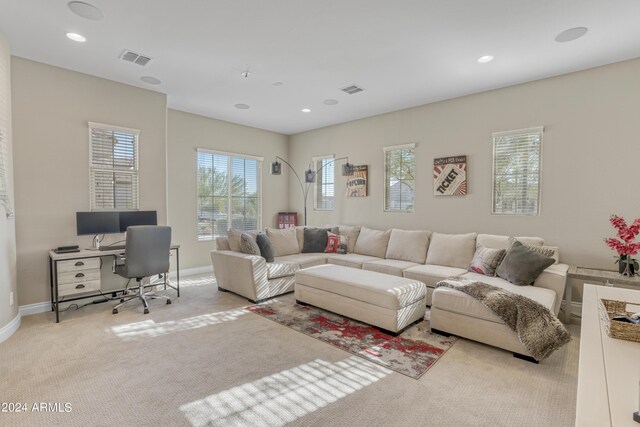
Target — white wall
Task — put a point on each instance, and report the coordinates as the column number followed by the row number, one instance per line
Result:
column 591, row 153
column 51, row 109
column 187, row 132
column 8, row 313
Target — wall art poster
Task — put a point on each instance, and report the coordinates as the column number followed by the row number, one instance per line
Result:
column 357, row 183
column 450, row 176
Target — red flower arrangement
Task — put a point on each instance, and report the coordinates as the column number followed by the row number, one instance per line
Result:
column 624, row 244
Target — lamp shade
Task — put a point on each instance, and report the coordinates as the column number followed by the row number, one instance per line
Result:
column 347, row 169
column 309, row 176
column 276, row 168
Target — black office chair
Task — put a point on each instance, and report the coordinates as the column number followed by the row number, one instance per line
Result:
column 146, row 254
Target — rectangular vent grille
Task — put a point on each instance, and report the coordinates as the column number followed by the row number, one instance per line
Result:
column 136, row 58
column 352, row 89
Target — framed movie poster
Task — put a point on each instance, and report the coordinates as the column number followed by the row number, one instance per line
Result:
column 357, row 183
column 450, row 176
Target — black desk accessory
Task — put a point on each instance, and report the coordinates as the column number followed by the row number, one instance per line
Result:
column 67, row 249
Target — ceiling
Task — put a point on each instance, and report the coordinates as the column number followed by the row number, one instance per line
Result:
column 403, row 53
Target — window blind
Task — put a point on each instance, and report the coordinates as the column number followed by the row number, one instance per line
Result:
column 114, row 167
column 399, row 178
column 516, row 172
column 325, row 183
column 228, row 192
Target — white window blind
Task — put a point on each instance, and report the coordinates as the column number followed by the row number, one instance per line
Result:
column 399, row 178
column 325, row 183
column 114, row 167
column 516, row 172
column 229, row 193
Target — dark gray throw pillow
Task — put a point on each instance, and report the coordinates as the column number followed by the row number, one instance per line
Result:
column 522, row 266
column 315, row 240
column 266, row 248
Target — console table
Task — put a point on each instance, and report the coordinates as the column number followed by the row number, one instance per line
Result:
column 76, row 275
column 609, row 368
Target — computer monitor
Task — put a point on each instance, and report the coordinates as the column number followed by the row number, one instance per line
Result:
column 129, row 218
column 88, row 223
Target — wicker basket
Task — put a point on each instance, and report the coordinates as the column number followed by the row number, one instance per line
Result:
column 616, row 329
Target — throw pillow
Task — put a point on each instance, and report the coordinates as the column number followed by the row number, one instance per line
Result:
column 343, row 246
column 266, row 248
column 542, row 250
column 333, row 241
column 486, row 260
column 315, row 240
column 522, row 266
column 248, row 245
column 234, row 238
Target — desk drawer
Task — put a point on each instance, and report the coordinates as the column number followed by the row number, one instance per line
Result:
column 78, row 276
column 78, row 288
column 78, row 264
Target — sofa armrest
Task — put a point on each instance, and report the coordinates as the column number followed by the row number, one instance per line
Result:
column 240, row 273
column 554, row 277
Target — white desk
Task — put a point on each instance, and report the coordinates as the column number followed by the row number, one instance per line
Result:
column 80, row 274
column 609, row 369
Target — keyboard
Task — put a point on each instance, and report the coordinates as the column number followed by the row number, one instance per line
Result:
column 112, row 248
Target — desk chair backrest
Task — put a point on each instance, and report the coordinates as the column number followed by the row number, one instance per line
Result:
column 147, row 250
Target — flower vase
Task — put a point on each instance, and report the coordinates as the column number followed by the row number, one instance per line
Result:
column 626, row 268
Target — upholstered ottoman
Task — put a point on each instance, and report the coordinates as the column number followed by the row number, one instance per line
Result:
column 389, row 302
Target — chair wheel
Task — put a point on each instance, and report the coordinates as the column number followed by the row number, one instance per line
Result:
column 168, row 301
column 114, row 311
column 146, row 311
column 122, row 300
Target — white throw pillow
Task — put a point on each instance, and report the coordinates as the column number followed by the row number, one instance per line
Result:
column 285, row 241
column 408, row 245
column 351, row 233
column 372, row 242
column 451, row 250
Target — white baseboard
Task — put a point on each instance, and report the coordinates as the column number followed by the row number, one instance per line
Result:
column 37, row 308
column 192, row 271
column 576, row 308
column 7, row 330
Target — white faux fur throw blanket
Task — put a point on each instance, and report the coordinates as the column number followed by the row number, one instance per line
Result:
column 538, row 329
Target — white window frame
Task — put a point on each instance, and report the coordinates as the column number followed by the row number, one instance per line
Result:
column 135, row 172
column 317, row 185
column 539, row 130
column 260, row 160
column 411, row 146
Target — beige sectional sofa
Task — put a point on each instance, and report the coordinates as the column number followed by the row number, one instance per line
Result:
column 425, row 256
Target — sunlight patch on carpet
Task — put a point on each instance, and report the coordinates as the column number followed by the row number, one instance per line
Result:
column 283, row 397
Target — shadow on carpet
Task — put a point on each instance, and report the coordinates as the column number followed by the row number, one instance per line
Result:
column 412, row 353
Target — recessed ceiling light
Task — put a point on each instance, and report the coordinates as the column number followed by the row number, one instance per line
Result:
column 242, row 106
column 306, row 110
column 485, row 59
column 76, row 37
column 150, row 80
column 278, row 83
column 330, row 101
column 85, row 10
column 571, row 34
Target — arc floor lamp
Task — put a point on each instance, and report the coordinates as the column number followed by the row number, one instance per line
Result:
column 309, row 176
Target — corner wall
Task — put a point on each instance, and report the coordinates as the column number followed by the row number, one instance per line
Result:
column 589, row 169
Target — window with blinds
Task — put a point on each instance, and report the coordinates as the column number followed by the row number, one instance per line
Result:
column 113, row 167
column 399, row 178
column 325, row 183
column 516, row 172
column 229, row 193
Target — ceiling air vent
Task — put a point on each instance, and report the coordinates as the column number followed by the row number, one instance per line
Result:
column 352, row 89
column 136, row 58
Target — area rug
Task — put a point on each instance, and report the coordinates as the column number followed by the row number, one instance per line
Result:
column 411, row 354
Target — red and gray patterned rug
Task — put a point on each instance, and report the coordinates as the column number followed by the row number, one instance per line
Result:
column 412, row 353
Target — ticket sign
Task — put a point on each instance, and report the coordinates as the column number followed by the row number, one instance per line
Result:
column 450, row 176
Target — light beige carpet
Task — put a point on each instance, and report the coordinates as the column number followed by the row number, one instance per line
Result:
column 204, row 360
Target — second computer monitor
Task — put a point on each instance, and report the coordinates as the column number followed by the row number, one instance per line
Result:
column 129, row 218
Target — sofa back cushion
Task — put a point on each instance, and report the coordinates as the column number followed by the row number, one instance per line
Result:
column 284, row 242
column 234, row 238
column 497, row 241
column 451, row 250
column 222, row 244
column 372, row 242
column 406, row 245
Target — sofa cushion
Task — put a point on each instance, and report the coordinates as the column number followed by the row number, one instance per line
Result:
column 502, row 242
column 451, row 250
column 222, row 243
column 285, row 241
column 304, row 260
column 522, row 266
column 372, row 242
column 486, row 260
column 408, row 245
column 276, row 270
column 351, row 260
column 432, row 274
column 266, row 248
column 234, row 238
column 393, row 267
column 351, row 233
column 315, row 240
column 248, row 245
